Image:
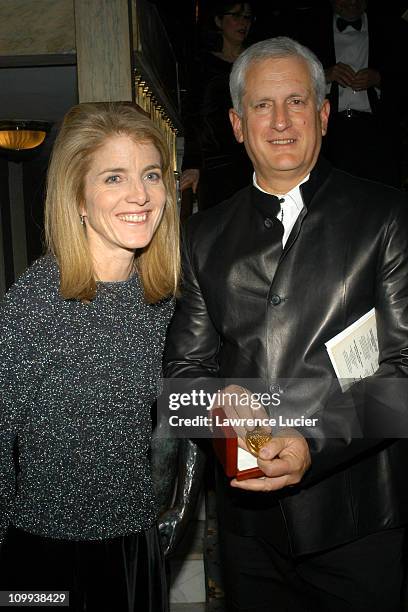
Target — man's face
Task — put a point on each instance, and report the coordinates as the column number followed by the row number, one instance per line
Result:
column 349, row 9
column 280, row 124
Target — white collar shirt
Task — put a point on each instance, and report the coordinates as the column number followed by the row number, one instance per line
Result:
column 290, row 208
column 351, row 47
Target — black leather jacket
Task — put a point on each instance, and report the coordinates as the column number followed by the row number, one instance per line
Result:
column 347, row 253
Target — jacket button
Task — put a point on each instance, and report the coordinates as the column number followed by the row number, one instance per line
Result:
column 268, row 223
column 275, row 300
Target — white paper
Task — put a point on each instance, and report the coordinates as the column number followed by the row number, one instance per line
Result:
column 354, row 351
column 245, row 460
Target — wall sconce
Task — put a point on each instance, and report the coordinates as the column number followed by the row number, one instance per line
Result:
column 19, row 138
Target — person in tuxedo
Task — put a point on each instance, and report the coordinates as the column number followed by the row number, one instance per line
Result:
column 271, row 275
column 361, row 51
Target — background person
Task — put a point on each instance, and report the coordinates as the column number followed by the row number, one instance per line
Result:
column 213, row 162
column 82, row 334
column 361, row 48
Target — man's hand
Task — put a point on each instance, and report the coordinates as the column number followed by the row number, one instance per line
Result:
column 366, row 78
column 343, row 74
column 189, row 178
column 284, row 461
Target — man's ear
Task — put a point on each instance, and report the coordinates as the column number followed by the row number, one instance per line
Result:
column 324, row 116
column 236, row 124
column 218, row 22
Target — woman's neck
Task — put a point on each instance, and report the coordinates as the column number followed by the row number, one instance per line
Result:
column 230, row 51
column 114, row 270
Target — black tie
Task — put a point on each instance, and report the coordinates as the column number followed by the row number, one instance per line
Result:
column 342, row 24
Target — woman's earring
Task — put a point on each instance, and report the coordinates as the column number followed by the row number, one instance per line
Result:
column 82, row 219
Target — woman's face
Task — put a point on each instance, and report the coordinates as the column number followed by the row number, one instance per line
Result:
column 124, row 198
column 235, row 23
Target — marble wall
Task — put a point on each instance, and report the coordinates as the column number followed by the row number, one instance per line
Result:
column 37, row 27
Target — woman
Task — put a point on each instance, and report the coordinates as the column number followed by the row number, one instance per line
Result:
column 213, row 161
column 82, row 333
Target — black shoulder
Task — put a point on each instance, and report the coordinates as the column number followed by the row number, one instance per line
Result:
column 216, row 218
column 367, row 193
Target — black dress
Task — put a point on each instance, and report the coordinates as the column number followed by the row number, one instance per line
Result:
column 122, row 574
column 210, row 144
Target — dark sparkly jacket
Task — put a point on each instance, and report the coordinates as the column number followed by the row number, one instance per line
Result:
column 77, row 382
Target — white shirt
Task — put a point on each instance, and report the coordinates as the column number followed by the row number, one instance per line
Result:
column 290, row 208
column 351, row 47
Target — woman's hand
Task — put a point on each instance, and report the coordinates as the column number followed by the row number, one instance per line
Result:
column 189, row 178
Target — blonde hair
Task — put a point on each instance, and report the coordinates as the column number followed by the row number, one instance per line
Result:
column 85, row 128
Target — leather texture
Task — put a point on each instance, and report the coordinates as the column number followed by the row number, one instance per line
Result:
column 347, row 253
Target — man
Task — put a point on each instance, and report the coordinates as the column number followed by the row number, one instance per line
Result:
column 362, row 53
column 314, row 533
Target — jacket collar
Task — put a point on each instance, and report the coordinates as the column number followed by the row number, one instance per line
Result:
column 317, row 177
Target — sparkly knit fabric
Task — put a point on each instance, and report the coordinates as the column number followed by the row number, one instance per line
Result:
column 77, row 382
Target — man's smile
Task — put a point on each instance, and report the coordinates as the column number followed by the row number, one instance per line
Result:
column 282, row 141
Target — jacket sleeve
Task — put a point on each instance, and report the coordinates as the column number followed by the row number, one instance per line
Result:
column 7, row 479
column 18, row 368
column 374, row 411
column 192, row 342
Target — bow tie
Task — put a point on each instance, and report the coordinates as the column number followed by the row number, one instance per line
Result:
column 342, row 24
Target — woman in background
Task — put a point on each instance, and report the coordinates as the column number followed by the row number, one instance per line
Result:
column 213, row 162
column 81, row 339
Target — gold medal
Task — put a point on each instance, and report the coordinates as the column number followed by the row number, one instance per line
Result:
column 256, row 439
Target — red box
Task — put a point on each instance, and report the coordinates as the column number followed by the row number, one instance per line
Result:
column 225, row 443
